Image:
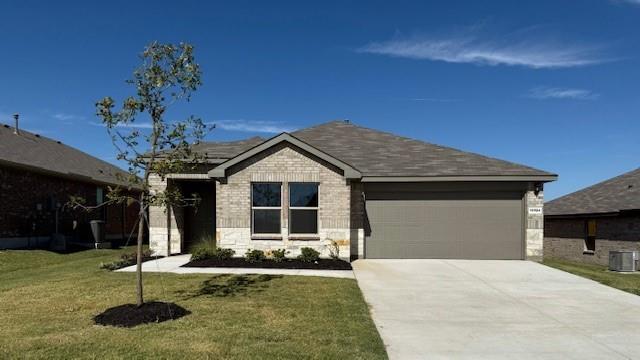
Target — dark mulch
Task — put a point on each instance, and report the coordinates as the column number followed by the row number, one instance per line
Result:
column 130, row 315
column 322, row 264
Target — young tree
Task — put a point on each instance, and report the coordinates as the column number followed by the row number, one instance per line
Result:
column 167, row 74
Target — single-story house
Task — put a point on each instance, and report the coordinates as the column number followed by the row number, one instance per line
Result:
column 372, row 193
column 585, row 225
column 37, row 177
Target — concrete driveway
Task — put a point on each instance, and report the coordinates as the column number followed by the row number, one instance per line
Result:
column 426, row 309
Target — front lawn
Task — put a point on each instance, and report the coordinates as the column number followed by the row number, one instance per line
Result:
column 47, row 302
column 623, row 281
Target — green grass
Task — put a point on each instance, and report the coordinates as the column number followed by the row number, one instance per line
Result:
column 626, row 282
column 47, row 302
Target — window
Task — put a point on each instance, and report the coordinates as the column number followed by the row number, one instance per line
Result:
column 303, row 208
column 266, row 207
column 590, row 237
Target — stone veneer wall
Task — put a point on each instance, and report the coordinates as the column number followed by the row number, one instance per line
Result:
column 357, row 220
column 283, row 163
column 564, row 238
column 165, row 227
column 534, row 230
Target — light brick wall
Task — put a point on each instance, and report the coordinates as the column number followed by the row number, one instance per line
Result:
column 534, row 226
column 283, row 163
column 165, row 226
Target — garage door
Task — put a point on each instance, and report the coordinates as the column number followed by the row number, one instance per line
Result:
column 471, row 225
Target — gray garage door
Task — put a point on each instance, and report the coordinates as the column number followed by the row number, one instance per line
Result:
column 479, row 225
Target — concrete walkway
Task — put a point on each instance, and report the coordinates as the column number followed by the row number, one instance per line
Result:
column 465, row 309
column 172, row 264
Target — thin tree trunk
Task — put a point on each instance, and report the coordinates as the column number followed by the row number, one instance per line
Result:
column 141, row 224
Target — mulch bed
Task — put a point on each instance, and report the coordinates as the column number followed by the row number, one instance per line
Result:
column 130, row 315
column 322, row 264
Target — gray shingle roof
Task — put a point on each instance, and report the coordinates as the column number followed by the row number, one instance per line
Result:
column 41, row 153
column 613, row 195
column 376, row 153
column 226, row 150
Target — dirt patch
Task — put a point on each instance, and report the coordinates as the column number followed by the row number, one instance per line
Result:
column 130, row 315
column 322, row 264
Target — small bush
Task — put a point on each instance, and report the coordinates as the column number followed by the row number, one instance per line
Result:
column 278, row 255
column 308, row 254
column 126, row 260
column 224, row 254
column 254, row 256
column 334, row 249
column 204, row 249
column 202, row 253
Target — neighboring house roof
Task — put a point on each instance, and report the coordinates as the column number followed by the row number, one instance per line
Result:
column 34, row 152
column 611, row 196
column 377, row 154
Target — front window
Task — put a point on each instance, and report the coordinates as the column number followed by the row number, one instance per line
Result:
column 266, row 206
column 303, row 208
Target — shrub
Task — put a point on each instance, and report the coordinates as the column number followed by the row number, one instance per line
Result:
column 334, row 249
column 204, row 249
column 202, row 253
column 224, row 254
column 126, row 260
column 254, row 256
column 308, row 254
column 278, row 255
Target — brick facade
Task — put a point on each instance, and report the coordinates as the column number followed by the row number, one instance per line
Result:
column 28, row 204
column 341, row 209
column 564, row 237
column 284, row 164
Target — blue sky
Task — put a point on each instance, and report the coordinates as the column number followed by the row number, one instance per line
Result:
column 551, row 84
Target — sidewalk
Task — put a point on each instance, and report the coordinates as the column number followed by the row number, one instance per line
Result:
column 172, row 264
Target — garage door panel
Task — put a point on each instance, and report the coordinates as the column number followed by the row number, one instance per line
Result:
column 427, row 225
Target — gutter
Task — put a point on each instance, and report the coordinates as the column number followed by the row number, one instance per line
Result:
column 527, row 178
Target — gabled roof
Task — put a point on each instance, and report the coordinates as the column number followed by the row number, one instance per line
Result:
column 381, row 156
column 38, row 153
column 349, row 172
column 227, row 149
column 611, row 196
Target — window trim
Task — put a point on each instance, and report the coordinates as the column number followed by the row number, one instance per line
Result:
column 310, row 208
column 252, row 208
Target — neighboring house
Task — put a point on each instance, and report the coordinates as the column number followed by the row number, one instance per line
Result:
column 587, row 224
column 37, row 177
column 375, row 194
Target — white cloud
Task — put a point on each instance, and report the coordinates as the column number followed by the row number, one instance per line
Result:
column 511, row 50
column 66, row 117
column 543, row 92
column 271, row 127
column 142, row 125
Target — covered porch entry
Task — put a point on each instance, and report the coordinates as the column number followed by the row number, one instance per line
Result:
column 199, row 222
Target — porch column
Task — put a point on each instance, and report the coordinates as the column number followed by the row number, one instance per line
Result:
column 164, row 234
